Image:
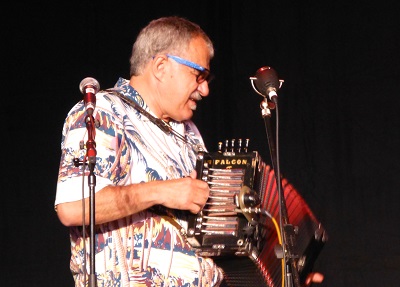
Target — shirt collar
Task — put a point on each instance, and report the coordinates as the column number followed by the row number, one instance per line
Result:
column 128, row 91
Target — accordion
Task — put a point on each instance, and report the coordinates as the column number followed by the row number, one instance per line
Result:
column 238, row 225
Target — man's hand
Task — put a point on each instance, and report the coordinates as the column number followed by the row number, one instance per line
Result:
column 314, row 277
column 186, row 193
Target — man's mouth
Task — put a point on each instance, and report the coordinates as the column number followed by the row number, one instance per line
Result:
column 193, row 99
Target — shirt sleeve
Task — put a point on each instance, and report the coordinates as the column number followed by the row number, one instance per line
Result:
column 110, row 152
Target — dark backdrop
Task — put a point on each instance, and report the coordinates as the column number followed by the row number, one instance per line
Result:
column 339, row 118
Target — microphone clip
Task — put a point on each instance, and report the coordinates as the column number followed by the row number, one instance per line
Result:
column 266, row 107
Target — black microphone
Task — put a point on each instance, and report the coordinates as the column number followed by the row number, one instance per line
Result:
column 266, row 83
column 89, row 88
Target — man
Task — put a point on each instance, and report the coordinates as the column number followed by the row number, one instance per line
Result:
column 146, row 147
column 140, row 166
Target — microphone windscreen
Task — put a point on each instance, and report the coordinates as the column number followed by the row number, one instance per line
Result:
column 93, row 83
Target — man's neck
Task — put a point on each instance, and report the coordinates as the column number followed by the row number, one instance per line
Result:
column 143, row 86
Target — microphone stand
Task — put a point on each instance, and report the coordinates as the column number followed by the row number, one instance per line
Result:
column 89, row 87
column 91, row 157
column 287, row 230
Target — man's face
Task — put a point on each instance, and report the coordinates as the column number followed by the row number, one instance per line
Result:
column 181, row 90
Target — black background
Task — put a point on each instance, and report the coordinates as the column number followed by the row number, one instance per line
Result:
column 339, row 118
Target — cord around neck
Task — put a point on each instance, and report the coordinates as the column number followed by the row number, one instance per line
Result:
column 161, row 124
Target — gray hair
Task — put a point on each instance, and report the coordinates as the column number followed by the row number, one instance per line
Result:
column 167, row 34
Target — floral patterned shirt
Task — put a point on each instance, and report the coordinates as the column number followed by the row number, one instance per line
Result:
column 143, row 249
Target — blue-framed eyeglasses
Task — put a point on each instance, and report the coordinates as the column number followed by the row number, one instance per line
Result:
column 204, row 75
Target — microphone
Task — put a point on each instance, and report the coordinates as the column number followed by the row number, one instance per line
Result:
column 89, row 88
column 266, row 83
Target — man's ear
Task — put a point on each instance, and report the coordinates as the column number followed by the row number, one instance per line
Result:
column 159, row 67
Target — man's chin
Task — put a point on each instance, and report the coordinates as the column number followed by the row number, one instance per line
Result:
column 185, row 116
